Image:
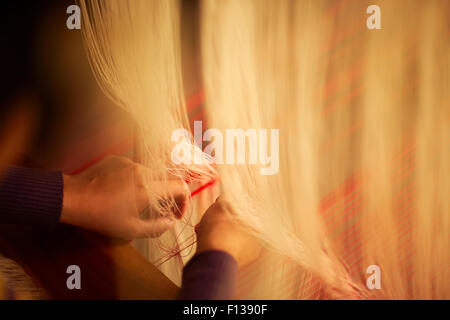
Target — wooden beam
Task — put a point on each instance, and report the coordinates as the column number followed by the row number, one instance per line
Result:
column 110, row 268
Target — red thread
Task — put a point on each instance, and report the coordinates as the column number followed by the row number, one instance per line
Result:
column 203, row 187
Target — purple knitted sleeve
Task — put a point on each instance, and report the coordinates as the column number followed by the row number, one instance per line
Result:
column 30, row 196
column 210, row 275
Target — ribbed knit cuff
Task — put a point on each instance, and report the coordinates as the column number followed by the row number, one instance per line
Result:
column 209, row 275
column 30, row 196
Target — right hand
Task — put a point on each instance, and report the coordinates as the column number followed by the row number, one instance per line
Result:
column 218, row 230
column 109, row 197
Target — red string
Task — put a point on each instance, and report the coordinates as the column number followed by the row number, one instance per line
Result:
column 203, row 187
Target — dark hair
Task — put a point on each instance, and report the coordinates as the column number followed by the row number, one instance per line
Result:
column 18, row 24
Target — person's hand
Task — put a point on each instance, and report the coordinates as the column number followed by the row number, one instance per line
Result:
column 109, row 197
column 218, row 230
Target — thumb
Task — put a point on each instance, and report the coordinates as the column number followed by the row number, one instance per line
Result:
column 153, row 228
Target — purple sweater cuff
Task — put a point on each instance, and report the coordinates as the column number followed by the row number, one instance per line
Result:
column 30, row 196
column 210, row 275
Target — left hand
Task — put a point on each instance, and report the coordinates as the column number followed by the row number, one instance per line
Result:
column 219, row 230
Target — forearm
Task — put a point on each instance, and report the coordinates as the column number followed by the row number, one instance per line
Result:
column 210, row 275
column 30, row 196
